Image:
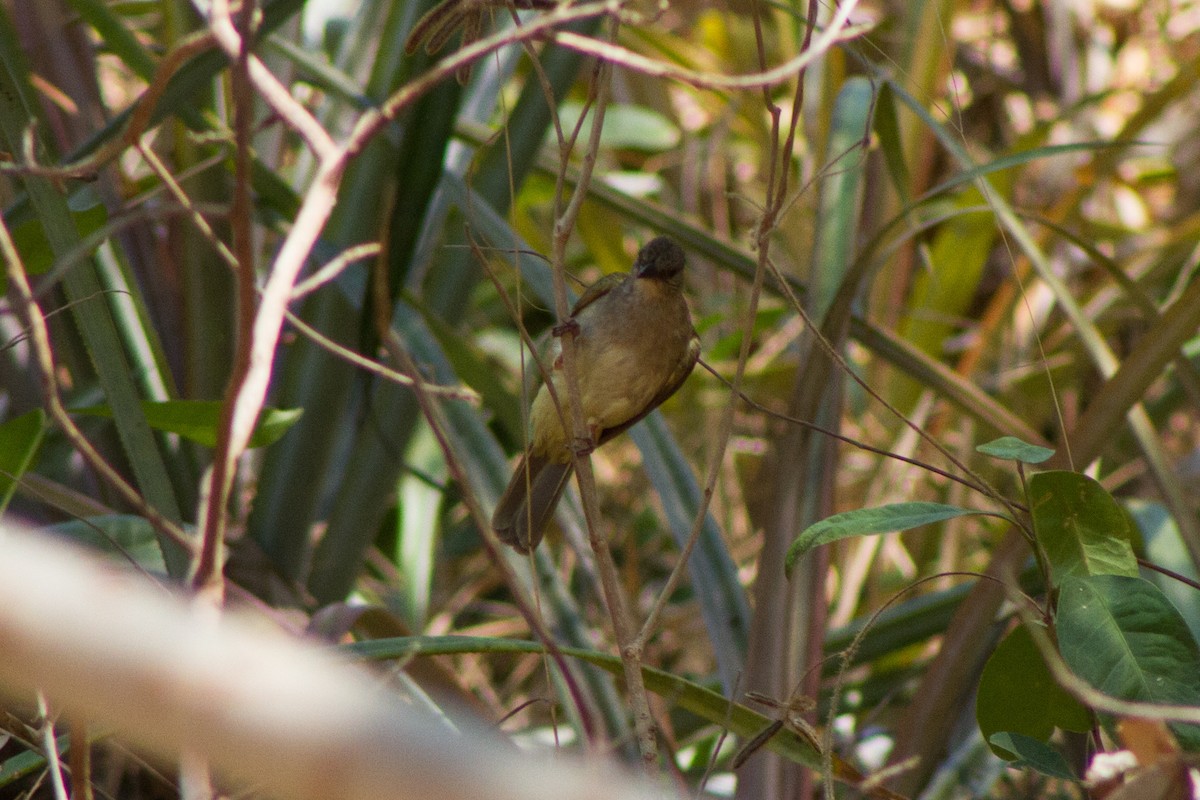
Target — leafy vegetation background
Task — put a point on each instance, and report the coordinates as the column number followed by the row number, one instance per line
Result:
column 918, row 225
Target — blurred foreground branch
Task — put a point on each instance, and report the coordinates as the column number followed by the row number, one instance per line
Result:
column 266, row 710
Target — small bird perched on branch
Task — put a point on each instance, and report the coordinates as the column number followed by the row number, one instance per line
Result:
column 634, row 347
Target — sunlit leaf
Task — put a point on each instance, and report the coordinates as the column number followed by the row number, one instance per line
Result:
column 867, row 521
column 627, row 127
column 1080, row 526
column 1014, row 449
column 1122, row 635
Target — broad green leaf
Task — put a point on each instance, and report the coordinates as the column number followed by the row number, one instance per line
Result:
column 197, row 420
column 124, row 535
column 19, row 440
column 1032, row 753
column 627, row 127
column 1163, row 545
column 1080, row 526
column 1013, row 449
column 866, row 521
column 1123, row 636
column 1017, row 694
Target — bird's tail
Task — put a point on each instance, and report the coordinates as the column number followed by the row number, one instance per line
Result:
column 529, row 501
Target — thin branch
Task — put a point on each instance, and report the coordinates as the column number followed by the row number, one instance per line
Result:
column 334, row 268
column 496, row 550
column 614, row 596
column 160, row 169
column 841, row 437
column 269, row 88
column 218, row 481
column 371, row 122
column 701, row 80
column 981, row 484
column 321, row 340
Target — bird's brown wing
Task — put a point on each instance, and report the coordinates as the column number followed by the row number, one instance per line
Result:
column 672, row 384
column 597, row 290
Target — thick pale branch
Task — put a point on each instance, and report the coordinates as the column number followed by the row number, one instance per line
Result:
column 706, row 80
column 267, row 710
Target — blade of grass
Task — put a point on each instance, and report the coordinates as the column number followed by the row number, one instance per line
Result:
column 83, row 288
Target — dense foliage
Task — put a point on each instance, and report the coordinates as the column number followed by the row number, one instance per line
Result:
column 274, row 275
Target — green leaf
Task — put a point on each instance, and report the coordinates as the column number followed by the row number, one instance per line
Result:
column 1013, row 449
column 1032, row 753
column 19, row 440
column 29, row 236
column 865, row 521
column 418, row 525
column 891, row 142
column 26, row 763
column 627, row 127
column 1017, row 694
column 1080, row 526
column 126, row 535
column 1123, row 636
column 198, row 420
column 1163, row 545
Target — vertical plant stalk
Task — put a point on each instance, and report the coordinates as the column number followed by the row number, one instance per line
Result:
column 426, row 395
column 50, row 746
column 614, row 597
column 218, row 482
column 80, row 759
column 434, row 417
column 207, row 578
column 772, row 671
column 726, row 425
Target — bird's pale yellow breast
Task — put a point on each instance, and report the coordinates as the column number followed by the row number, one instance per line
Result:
column 630, row 343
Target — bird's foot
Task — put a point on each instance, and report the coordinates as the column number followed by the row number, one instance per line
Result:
column 583, row 445
column 570, row 326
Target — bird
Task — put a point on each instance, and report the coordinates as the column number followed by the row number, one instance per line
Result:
column 634, row 347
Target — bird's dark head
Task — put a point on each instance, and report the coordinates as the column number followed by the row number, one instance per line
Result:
column 661, row 259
